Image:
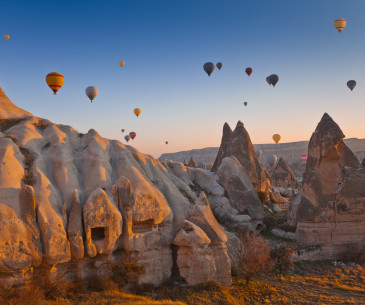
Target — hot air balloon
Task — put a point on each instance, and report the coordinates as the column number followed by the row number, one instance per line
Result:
column 248, row 71
column 123, row 130
column 271, row 159
column 245, row 103
column 209, row 68
column 137, row 111
column 55, row 81
column 268, row 80
column 127, row 137
column 258, row 153
column 276, row 137
column 132, row 134
column 273, row 78
column 166, row 142
column 304, row 158
column 339, row 24
column 121, row 63
column 6, row 37
column 91, row 92
column 219, row 65
column 351, row 84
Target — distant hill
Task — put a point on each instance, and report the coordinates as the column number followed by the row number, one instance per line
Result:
column 291, row 152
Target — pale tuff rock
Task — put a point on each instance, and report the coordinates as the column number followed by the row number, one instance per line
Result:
column 332, row 209
column 201, row 215
column 102, row 222
column 195, row 260
column 58, row 186
column 20, row 246
column 241, row 192
column 122, row 193
column 75, row 229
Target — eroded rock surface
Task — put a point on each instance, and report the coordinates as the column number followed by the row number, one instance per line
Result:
column 70, row 196
column 331, row 212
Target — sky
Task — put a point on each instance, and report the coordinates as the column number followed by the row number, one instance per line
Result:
column 164, row 44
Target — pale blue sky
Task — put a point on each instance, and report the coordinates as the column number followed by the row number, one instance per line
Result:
column 165, row 44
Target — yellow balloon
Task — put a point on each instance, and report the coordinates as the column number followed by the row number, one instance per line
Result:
column 55, row 81
column 6, row 37
column 276, row 137
column 137, row 112
column 121, row 63
column 339, row 24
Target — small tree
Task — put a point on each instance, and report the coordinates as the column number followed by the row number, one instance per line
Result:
column 253, row 255
column 282, row 256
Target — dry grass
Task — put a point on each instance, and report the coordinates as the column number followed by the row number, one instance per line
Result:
column 308, row 283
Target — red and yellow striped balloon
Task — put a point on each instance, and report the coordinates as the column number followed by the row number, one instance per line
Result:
column 55, row 81
column 339, row 24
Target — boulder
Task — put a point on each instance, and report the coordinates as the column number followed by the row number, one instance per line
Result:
column 201, row 215
column 195, row 260
column 239, row 188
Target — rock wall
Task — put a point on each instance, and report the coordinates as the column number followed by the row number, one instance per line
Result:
column 331, row 212
column 68, row 197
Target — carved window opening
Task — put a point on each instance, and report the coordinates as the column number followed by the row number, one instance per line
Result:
column 142, row 226
column 98, row 233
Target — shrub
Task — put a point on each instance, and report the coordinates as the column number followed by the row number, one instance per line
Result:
column 282, row 256
column 41, row 124
column 253, row 255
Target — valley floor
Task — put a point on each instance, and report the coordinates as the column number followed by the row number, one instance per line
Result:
column 306, row 283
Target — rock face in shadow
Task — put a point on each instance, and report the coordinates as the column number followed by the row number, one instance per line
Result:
column 192, row 163
column 331, row 212
column 283, row 176
column 67, row 198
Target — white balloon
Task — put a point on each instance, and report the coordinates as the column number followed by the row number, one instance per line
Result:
column 91, row 92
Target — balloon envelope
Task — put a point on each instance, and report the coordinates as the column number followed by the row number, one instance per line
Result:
column 6, row 37
column 273, row 78
column 55, row 81
column 91, row 92
column 121, row 63
column 132, row 134
column 268, row 80
column 258, row 153
column 351, row 84
column 271, row 159
column 219, row 65
column 137, row 111
column 276, row 137
column 339, row 24
column 166, row 142
column 127, row 137
column 209, row 68
column 245, row 103
column 248, row 71
column 123, row 130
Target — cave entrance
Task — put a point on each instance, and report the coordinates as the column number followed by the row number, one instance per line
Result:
column 98, row 233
